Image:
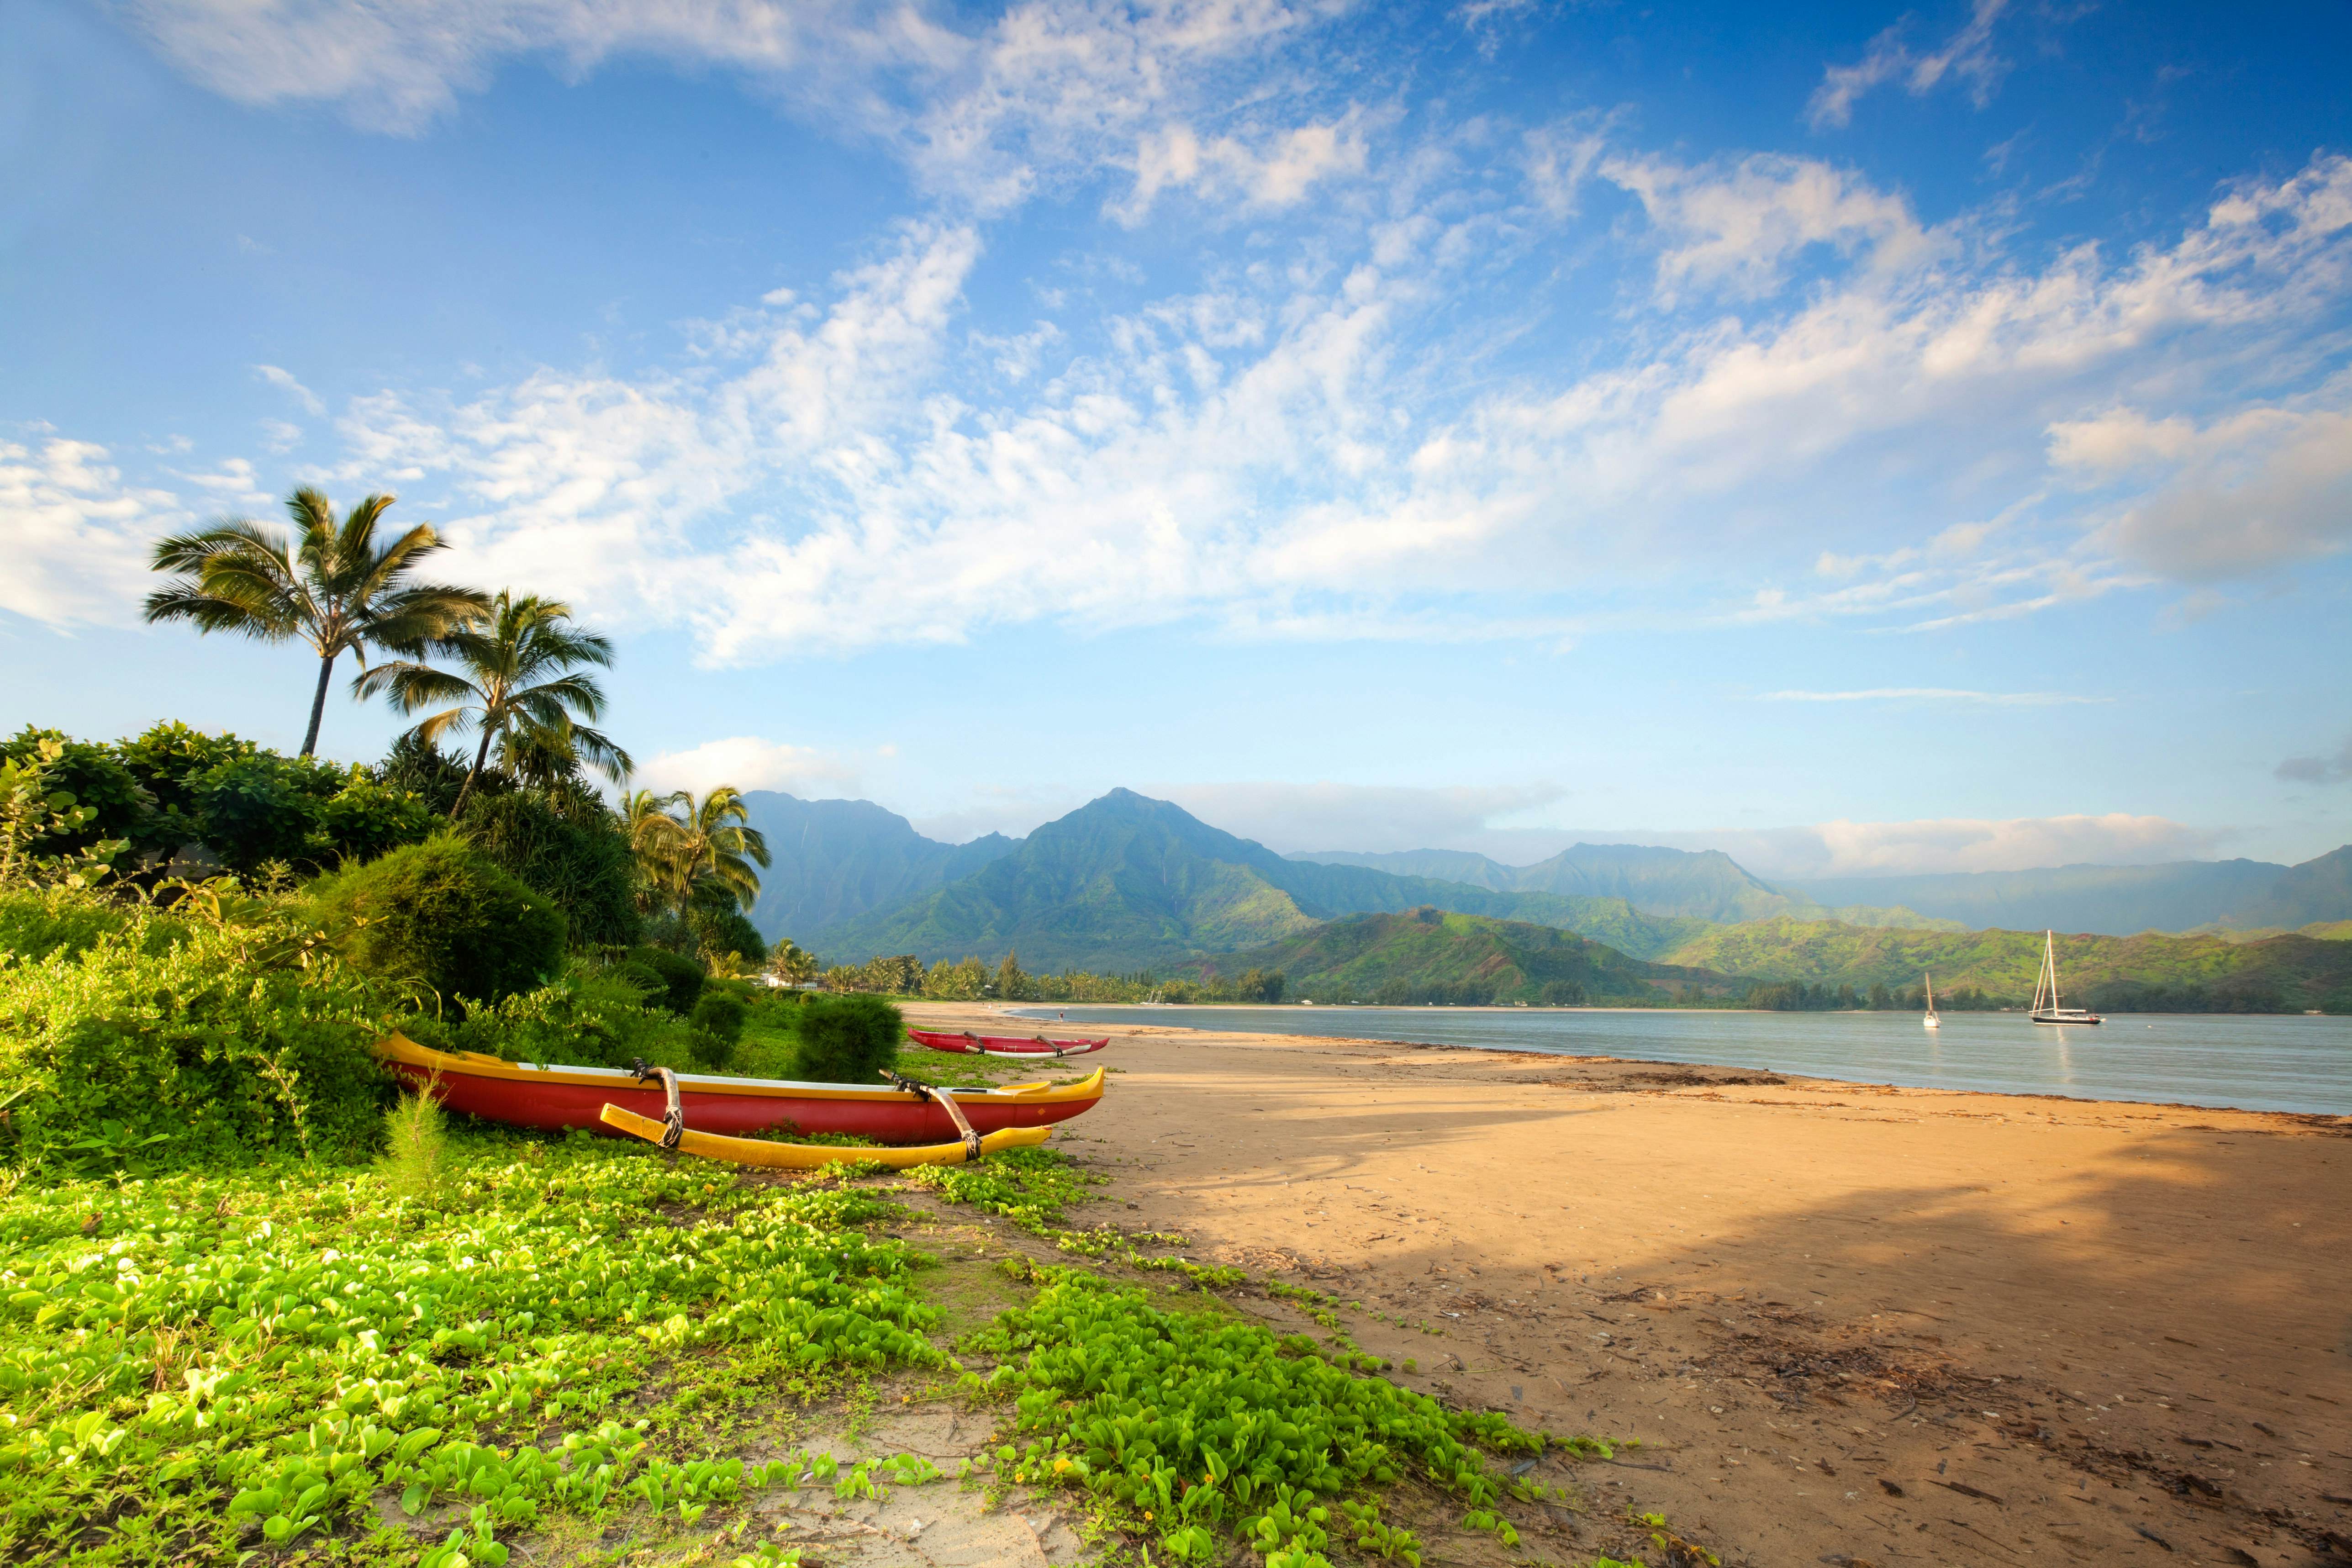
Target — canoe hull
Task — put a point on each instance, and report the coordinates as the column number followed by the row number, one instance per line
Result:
column 556, row 1099
column 1006, row 1044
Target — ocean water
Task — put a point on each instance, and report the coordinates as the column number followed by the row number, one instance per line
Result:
column 2255, row 1062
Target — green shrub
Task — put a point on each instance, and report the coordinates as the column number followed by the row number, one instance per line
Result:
column 167, row 1042
column 34, row 924
column 98, row 780
column 566, row 844
column 650, row 985
column 718, row 1019
column 586, row 1018
column 258, row 806
column 722, row 928
column 439, row 914
column 844, row 1039
column 681, row 977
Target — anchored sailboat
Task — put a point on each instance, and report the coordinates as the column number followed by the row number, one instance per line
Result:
column 1931, row 1021
column 2046, row 1008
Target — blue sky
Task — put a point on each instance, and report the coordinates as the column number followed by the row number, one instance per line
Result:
column 1857, row 437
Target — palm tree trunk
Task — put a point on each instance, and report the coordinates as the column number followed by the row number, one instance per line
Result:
column 318, row 705
column 482, row 755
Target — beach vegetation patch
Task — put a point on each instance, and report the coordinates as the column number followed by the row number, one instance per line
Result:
column 440, row 914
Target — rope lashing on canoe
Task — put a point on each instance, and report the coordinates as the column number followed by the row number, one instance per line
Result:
column 946, row 1102
column 673, row 1115
column 980, row 1046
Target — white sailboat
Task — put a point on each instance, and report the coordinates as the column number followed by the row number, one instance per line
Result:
column 2046, row 1007
column 1931, row 1021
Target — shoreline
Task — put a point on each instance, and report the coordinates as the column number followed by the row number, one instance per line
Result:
column 1840, row 1316
column 1007, row 1011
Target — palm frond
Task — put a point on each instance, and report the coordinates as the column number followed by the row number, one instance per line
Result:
column 411, row 686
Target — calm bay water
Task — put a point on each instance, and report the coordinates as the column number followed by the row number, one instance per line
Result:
column 2256, row 1063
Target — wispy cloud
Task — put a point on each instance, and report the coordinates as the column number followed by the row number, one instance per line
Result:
column 1368, row 817
column 1934, row 694
column 284, row 379
column 2319, row 770
column 1967, row 55
column 984, row 110
column 1305, row 437
column 1956, row 844
column 749, row 762
column 77, row 533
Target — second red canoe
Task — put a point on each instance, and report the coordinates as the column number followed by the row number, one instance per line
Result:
column 1005, row 1045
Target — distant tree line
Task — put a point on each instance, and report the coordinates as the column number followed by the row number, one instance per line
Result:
column 970, row 980
column 1797, row 996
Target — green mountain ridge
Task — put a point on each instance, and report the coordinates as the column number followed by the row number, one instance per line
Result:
column 1430, row 954
column 2146, row 971
column 837, row 860
column 1705, row 885
column 2112, row 901
column 1127, row 883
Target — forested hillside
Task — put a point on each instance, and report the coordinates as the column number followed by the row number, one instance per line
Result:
column 2149, row 972
column 1426, row 955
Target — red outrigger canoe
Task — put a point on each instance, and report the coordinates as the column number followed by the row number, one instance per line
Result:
column 523, row 1094
column 1005, row 1045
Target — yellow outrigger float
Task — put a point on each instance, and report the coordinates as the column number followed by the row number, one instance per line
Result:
column 809, row 1156
column 558, row 1098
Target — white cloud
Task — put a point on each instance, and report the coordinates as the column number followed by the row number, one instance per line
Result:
column 1906, row 848
column 1966, row 55
column 1739, row 227
column 233, row 480
column 1934, row 694
column 77, row 535
column 1364, row 817
column 2253, row 489
column 1277, row 174
column 983, row 110
column 1312, row 443
column 749, row 763
column 284, row 379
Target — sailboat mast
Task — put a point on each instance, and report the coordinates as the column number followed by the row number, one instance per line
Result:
column 2049, row 957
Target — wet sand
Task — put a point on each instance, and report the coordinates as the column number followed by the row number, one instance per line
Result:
column 1849, row 1324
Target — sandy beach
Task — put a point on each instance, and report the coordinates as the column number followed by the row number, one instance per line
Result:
column 1848, row 1324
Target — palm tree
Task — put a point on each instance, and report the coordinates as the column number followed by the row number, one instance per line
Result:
column 517, row 682
column 691, row 848
column 653, row 837
column 791, row 964
column 332, row 586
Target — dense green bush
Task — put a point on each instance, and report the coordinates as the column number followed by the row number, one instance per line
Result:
column 96, row 779
column 587, row 1018
column 650, row 985
column 564, row 843
column 438, row 914
column 844, row 1039
column 722, row 928
column 173, row 787
column 310, row 813
column 681, row 977
column 146, row 1041
column 34, row 924
column 718, row 1019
